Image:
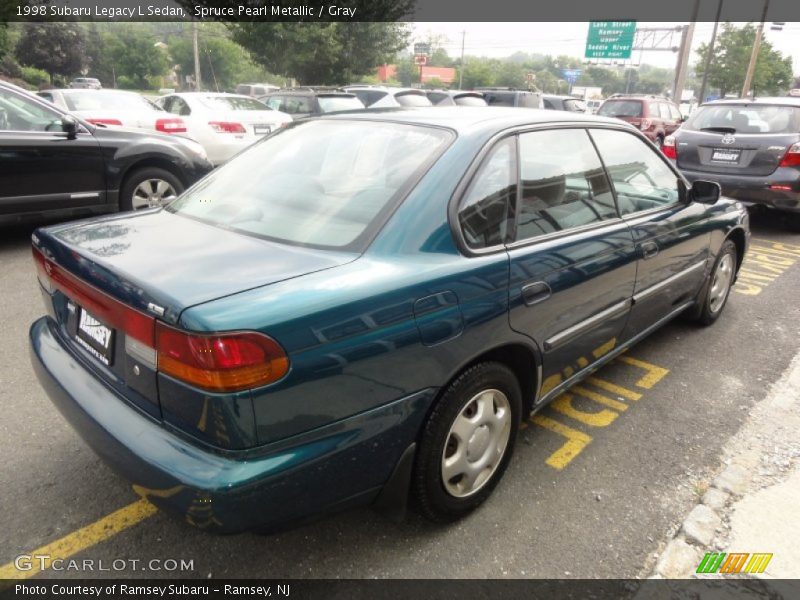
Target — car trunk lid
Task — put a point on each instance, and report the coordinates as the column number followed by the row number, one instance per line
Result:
column 724, row 151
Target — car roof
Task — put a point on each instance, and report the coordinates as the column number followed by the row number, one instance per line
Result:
column 782, row 100
column 560, row 97
column 464, row 118
column 90, row 91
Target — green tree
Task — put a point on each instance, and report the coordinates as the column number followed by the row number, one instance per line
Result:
column 407, row 71
column 478, row 72
column 57, row 48
column 137, row 59
column 220, row 60
column 508, row 74
column 731, row 56
column 99, row 58
column 321, row 53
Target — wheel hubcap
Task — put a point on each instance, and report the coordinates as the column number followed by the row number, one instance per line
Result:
column 152, row 193
column 476, row 443
column 721, row 284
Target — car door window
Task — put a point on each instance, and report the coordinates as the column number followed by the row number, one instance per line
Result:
column 275, row 103
column 18, row 113
column 297, row 104
column 641, row 179
column 563, row 183
column 485, row 212
column 674, row 112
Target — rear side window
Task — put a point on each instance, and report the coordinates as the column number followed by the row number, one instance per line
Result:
column 563, row 183
column 485, row 210
column 275, row 103
column 499, row 99
column 640, row 177
column 621, row 108
column 297, row 104
column 745, row 118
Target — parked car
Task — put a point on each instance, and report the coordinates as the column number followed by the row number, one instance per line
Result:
column 568, row 103
column 85, row 83
column 750, row 147
column 455, row 98
column 368, row 304
column 512, row 97
column 656, row 116
column 374, row 96
column 115, row 108
column 794, row 92
column 55, row 165
column 255, row 89
column 308, row 101
column 224, row 124
column 593, row 105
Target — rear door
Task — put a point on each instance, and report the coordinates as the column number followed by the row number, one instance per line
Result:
column 672, row 244
column 573, row 263
column 737, row 139
column 40, row 168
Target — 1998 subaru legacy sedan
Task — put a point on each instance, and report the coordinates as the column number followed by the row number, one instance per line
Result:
column 362, row 307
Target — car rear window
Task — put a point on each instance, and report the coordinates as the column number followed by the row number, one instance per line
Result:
column 339, row 102
column 412, row 99
column 233, row 103
column 470, row 100
column 500, row 98
column 102, row 100
column 621, row 108
column 745, row 118
column 324, row 184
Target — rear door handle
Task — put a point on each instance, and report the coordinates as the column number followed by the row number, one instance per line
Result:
column 649, row 249
column 533, row 293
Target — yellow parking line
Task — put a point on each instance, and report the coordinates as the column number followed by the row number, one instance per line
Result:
column 576, row 441
column 609, row 402
column 654, row 373
column 602, row 418
column 614, row 388
column 83, row 538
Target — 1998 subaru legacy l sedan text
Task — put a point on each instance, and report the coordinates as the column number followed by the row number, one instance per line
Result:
column 362, row 307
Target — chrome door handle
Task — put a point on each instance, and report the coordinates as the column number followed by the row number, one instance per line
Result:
column 649, row 249
column 533, row 293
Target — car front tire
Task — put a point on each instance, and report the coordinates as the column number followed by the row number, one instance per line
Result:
column 718, row 287
column 467, row 442
column 148, row 188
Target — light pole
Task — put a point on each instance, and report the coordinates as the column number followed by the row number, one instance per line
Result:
column 748, row 78
column 710, row 55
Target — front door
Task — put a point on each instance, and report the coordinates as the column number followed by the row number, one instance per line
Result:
column 671, row 240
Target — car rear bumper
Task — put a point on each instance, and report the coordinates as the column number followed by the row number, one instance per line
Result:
column 751, row 189
column 336, row 466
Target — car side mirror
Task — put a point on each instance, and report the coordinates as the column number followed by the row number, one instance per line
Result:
column 705, row 192
column 69, row 125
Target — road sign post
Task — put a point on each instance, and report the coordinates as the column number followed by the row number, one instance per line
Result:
column 610, row 39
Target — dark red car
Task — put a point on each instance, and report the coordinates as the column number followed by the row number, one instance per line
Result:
column 656, row 116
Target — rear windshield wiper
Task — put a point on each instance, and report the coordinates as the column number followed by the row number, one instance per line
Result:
column 719, row 129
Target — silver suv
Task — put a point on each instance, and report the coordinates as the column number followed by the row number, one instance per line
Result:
column 85, row 83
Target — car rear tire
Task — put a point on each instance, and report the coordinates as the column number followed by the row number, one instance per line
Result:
column 467, row 442
column 149, row 187
column 718, row 286
column 792, row 221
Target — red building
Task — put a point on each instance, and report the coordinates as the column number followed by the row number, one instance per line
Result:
column 446, row 75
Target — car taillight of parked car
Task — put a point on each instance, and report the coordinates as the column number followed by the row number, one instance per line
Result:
column 668, row 148
column 792, row 157
column 220, row 362
column 171, row 125
column 98, row 121
column 226, row 127
column 645, row 124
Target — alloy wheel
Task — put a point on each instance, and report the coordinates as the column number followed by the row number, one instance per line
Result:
column 152, row 193
column 721, row 283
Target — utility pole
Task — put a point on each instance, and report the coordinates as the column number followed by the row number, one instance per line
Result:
column 748, row 78
column 197, row 82
column 683, row 55
column 461, row 67
column 710, row 55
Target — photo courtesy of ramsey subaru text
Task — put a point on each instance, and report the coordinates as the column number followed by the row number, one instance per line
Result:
column 362, row 307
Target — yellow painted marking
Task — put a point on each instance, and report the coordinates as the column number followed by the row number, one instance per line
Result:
column 523, row 425
column 568, row 372
column 576, row 441
column 747, row 289
column 201, row 424
column 583, row 363
column 603, row 418
column 654, row 373
column 614, row 388
column 605, row 348
column 745, row 274
column 759, row 563
column 599, row 398
column 83, row 538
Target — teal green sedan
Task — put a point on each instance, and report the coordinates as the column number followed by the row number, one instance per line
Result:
column 362, row 308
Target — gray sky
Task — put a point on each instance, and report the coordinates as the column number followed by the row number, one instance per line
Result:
column 502, row 39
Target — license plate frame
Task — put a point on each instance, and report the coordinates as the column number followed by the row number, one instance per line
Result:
column 729, row 156
column 262, row 129
column 96, row 337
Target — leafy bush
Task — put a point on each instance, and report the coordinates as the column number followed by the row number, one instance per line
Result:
column 35, row 77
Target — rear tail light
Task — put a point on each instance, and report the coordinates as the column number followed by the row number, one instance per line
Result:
column 645, row 124
column 792, row 157
column 172, row 125
column 105, row 121
column 224, row 362
column 668, row 148
column 781, row 188
column 226, row 127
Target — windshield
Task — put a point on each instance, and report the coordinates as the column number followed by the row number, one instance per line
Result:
column 334, row 103
column 745, row 118
column 322, row 183
column 233, row 103
column 621, row 108
column 100, row 100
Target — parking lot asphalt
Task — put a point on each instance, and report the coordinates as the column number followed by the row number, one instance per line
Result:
column 599, row 478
